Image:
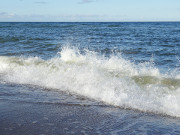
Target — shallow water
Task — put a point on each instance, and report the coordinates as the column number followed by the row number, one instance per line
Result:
column 34, row 110
column 125, row 74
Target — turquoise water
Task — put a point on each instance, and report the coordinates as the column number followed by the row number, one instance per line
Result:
column 125, row 66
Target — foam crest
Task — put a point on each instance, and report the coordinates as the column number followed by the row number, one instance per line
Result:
column 112, row 80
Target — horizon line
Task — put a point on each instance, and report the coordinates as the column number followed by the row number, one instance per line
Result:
column 81, row 21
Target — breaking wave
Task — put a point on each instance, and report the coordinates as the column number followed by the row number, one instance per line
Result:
column 113, row 80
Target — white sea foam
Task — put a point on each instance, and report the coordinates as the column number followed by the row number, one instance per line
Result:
column 112, row 80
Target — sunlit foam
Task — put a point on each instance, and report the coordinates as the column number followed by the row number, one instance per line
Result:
column 114, row 80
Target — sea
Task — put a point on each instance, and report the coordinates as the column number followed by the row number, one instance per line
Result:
column 90, row 78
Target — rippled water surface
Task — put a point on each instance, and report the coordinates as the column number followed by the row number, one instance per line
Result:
column 99, row 78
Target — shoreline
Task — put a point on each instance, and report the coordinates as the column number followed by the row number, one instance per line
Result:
column 32, row 118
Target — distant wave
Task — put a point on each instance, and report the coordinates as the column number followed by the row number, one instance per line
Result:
column 115, row 25
column 114, row 80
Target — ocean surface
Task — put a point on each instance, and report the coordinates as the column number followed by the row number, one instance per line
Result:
column 90, row 78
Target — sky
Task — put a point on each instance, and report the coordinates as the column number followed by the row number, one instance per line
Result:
column 89, row 10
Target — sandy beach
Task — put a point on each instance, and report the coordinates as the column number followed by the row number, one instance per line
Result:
column 18, row 118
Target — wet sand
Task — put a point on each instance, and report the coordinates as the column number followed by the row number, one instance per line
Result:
column 27, row 118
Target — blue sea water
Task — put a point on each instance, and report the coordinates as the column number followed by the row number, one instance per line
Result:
column 128, row 68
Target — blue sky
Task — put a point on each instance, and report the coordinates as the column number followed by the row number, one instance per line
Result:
column 89, row 10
